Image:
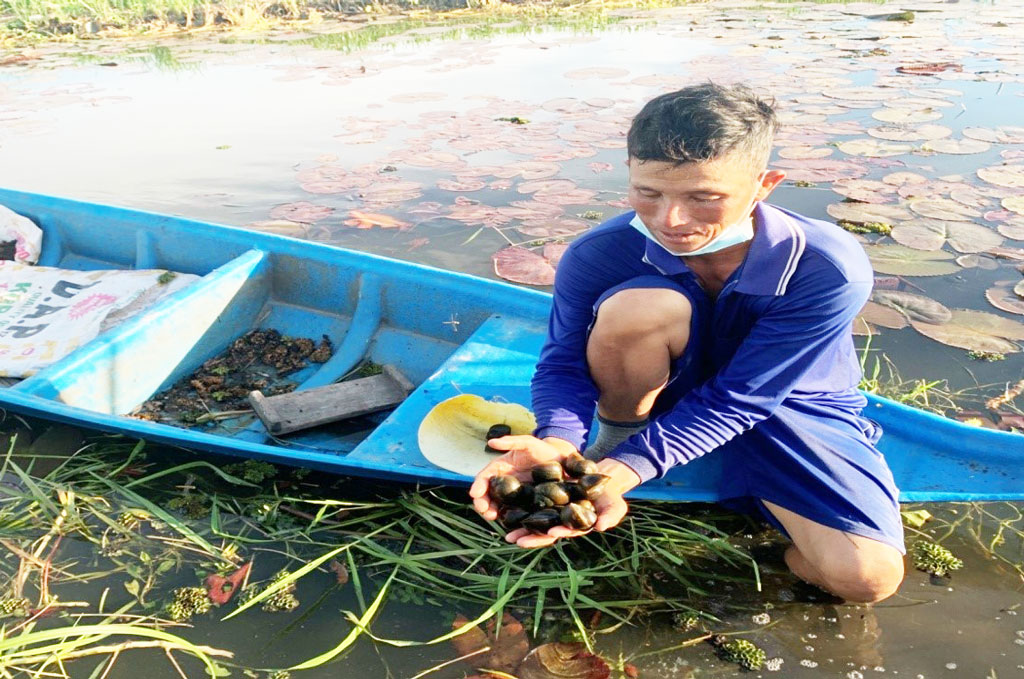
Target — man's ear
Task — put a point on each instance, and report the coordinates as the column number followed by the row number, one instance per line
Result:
column 769, row 180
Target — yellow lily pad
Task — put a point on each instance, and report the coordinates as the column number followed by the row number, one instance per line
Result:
column 453, row 435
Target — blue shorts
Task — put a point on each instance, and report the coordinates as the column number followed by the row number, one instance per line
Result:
column 814, row 458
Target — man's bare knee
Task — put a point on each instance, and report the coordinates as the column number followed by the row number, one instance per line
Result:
column 643, row 312
column 866, row 578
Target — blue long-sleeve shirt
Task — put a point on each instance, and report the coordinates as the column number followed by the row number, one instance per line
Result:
column 780, row 329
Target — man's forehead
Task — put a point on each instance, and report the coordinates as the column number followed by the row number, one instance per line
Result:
column 727, row 169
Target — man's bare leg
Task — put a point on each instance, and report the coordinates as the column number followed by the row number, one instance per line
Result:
column 637, row 335
column 853, row 567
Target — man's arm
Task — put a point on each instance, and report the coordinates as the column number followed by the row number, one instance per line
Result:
column 800, row 328
column 563, row 393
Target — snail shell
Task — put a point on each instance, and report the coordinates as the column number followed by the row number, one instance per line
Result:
column 512, row 517
column 594, row 485
column 496, row 432
column 576, row 466
column 575, row 491
column 550, row 494
column 504, row 489
column 549, row 471
column 541, row 520
column 578, row 516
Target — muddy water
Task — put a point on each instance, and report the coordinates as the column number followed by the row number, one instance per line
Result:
column 409, row 129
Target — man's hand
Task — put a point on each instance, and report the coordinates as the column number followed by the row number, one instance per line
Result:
column 525, row 452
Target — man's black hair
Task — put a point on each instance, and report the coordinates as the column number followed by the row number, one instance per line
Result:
column 704, row 122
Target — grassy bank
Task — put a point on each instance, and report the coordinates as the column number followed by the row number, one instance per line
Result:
column 34, row 21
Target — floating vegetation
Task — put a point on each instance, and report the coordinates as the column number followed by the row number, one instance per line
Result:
column 253, row 471
column 740, row 651
column 933, row 558
column 988, row 356
column 15, row 608
column 282, row 593
column 189, row 602
column 866, row 227
column 515, row 120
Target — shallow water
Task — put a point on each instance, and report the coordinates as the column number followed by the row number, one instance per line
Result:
column 224, row 131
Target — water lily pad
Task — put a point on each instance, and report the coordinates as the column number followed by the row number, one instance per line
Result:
column 368, row 220
column 863, row 213
column 956, row 333
column 976, row 261
column 900, row 260
column 1012, row 228
column 1007, row 176
column 1001, row 135
column 464, row 185
column 1014, row 204
column 435, row 159
column 865, row 190
column 821, row 169
column 872, row 148
column 971, row 197
column 913, row 306
column 550, row 185
column 993, row 324
column 553, row 228
column 391, row 192
column 804, row 152
column 528, row 169
column 900, row 133
column 943, row 208
column 917, row 103
column 883, row 316
column 563, row 661
column 932, row 234
column 520, row 265
column 901, row 178
column 906, row 116
column 861, row 93
column 956, row 146
column 301, row 211
column 1002, row 297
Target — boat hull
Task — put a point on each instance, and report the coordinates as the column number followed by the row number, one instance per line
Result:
column 449, row 333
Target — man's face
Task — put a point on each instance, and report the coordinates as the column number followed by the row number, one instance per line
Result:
column 687, row 206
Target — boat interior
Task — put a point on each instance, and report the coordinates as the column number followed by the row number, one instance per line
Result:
column 427, row 325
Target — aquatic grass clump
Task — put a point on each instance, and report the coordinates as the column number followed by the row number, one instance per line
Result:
column 934, row 559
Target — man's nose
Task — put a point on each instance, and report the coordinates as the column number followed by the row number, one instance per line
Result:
column 676, row 215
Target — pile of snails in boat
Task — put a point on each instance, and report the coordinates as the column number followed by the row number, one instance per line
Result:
column 561, row 494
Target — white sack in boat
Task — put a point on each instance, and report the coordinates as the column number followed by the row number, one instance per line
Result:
column 26, row 236
column 453, row 435
column 46, row 313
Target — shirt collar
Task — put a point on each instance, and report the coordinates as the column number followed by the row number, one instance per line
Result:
column 774, row 253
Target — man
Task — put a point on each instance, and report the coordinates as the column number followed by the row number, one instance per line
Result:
column 709, row 322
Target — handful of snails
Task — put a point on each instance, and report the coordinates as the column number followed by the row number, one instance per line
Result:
column 560, row 494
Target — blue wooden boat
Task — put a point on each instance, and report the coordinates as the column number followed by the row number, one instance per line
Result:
column 448, row 333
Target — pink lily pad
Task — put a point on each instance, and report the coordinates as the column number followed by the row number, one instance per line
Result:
column 302, row 211
column 521, row 265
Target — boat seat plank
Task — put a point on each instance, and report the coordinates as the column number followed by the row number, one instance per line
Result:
column 297, row 410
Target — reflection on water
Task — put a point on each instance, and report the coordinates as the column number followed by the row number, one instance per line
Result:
column 446, row 152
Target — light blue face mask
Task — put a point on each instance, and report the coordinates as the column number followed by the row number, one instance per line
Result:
column 740, row 232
